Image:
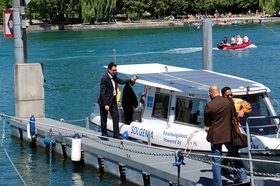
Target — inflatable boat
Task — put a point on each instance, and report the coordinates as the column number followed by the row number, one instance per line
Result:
column 233, row 47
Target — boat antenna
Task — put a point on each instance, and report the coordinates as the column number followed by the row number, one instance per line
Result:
column 114, row 55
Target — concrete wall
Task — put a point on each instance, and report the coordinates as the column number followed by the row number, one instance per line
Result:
column 29, row 90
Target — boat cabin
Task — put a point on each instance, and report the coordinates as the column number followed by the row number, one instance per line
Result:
column 175, row 95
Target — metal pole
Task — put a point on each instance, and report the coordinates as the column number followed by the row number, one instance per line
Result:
column 207, row 44
column 249, row 153
column 178, row 176
column 18, row 42
column 149, row 139
column 23, row 29
column 87, row 122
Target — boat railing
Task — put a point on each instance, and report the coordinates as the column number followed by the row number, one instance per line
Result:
column 249, row 140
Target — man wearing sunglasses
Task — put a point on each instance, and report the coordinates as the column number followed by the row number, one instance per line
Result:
column 217, row 121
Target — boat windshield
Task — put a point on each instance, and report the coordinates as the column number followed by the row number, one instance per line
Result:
column 263, row 126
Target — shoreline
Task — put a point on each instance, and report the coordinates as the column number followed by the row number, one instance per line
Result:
column 150, row 24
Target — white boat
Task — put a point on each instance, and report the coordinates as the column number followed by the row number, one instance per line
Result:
column 172, row 115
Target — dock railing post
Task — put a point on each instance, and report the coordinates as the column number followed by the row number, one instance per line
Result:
column 178, row 174
column 249, row 143
column 249, row 152
column 179, row 160
column 87, row 122
column 149, row 139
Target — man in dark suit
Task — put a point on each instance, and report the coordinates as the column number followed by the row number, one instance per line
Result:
column 107, row 99
column 129, row 102
column 217, row 121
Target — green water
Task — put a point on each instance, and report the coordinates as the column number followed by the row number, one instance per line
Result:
column 73, row 65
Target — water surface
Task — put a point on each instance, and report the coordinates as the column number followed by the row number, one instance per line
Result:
column 73, row 65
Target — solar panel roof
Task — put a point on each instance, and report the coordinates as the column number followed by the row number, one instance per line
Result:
column 189, row 80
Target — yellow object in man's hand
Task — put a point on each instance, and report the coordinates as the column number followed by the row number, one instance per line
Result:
column 241, row 104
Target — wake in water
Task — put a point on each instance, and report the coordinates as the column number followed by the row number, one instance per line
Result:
column 170, row 51
column 184, row 50
column 252, row 46
column 176, row 51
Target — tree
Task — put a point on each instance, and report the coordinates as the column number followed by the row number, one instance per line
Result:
column 98, row 10
column 73, row 10
column 178, row 7
column 4, row 5
column 158, row 8
column 31, row 10
column 269, row 6
column 134, row 8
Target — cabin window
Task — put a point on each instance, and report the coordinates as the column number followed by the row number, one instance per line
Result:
column 161, row 105
column 150, row 101
column 258, row 106
column 188, row 110
column 261, row 126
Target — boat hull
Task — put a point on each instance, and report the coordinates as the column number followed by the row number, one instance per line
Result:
column 184, row 137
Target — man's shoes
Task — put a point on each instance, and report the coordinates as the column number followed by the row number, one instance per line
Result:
column 104, row 137
column 117, row 137
column 241, row 182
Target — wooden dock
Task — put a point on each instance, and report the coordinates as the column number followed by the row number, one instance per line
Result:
column 135, row 162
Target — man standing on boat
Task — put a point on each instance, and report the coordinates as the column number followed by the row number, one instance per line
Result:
column 107, row 99
column 218, row 126
column 241, row 107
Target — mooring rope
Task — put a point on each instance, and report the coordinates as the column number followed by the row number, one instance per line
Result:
column 7, row 154
column 50, row 165
column 271, row 30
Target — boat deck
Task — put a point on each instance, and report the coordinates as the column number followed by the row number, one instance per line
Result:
column 137, row 158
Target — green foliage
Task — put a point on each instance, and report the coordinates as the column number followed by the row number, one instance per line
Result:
column 98, row 10
column 134, row 9
column 159, row 8
column 178, row 7
column 4, row 5
column 246, row 3
column 269, row 6
column 56, row 11
column 53, row 10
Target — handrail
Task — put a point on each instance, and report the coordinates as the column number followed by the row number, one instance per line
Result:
column 249, row 142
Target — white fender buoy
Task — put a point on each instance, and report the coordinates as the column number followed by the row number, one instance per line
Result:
column 76, row 148
column 28, row 131
column 30, row 126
